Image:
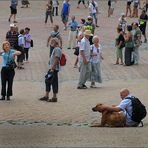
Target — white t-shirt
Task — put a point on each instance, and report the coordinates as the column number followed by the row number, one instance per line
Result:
column 85, row 46
column 55, row 3
column 92, row 9
column 97, row 52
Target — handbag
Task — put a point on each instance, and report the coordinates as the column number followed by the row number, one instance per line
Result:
column 10, row 64
column 76, row 52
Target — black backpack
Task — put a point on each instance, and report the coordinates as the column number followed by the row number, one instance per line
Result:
column 139, row 110
column 31, row 43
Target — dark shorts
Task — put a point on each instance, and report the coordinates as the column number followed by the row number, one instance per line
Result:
column 143, row 29
column 13, row 11
column 81, row 1
column 64, row 18
column 129, row 3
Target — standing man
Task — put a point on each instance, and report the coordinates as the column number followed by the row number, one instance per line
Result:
column 84, row 59
column 72, row 33
column 65, row 13
column 93, row 8
column 143, row 23
column 13, row 8
column 12, row 37
column 54, row 67
column 137, row 42
column 54, row 34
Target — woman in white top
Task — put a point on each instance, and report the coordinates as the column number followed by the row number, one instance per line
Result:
column 96, row 58
column 55, row 6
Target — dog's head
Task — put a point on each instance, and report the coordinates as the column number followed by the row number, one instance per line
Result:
column 98, row 108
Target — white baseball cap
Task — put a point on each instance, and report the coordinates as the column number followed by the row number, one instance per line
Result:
column 12, row 25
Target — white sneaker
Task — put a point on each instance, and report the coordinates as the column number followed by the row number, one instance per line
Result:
column 93, row 86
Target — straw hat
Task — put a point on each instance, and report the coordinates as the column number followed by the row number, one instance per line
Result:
column 88, row 32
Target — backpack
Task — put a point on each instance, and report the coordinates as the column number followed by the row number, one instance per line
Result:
column 139, row 110
column 63, row 60
column 31, row 43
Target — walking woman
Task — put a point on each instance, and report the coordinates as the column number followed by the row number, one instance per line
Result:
column 96, row 58
column 7, row 73
column 49, row 11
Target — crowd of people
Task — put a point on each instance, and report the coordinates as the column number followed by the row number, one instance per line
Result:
column 82, row 39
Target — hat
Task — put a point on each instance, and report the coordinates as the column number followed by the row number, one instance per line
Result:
column 12, row 25
column 89, row 18
column 122, row 14
column 88, row 32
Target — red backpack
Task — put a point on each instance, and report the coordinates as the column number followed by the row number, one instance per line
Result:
column 63, row 60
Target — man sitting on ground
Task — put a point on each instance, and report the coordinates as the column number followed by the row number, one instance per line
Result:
column 125, row 106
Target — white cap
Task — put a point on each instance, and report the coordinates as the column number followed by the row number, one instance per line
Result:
column 122, row 14
column 12, row 25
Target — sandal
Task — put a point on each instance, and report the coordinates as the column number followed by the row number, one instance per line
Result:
column 43, row 98
column 52, row 100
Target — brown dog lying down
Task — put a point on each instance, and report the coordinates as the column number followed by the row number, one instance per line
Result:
column 110, row 119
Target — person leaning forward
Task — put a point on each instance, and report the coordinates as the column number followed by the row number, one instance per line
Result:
column 125, row 106
column 54, row 67
column 84, row 57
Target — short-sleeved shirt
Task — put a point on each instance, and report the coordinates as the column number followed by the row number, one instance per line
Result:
column 85, row 47
column 73, row 25
column 21, row 40
column 98, row 51
column 55, row 3
column 56, row 53
column 65, row 9
column 120, row 39
column 7, row 57
column 14, row 3
column 12, row 37
column 27, row 38
column 89, row 26
column 137, row 35
column 126, row 106
column 93, row 7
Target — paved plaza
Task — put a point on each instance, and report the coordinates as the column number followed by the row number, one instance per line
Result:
column 26, row 122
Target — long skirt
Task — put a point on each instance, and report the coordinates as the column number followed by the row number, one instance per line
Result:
column 96, row 72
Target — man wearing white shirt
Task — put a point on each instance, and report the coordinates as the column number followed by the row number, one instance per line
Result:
column 84, row 60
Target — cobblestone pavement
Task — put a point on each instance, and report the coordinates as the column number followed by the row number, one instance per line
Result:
column 69, row 119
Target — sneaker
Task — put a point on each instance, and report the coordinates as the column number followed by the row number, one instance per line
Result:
column 75, row 66
column 82, row 87
column 93, row 86
column 15, row 22
column 2, row 98
column 43, row 98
